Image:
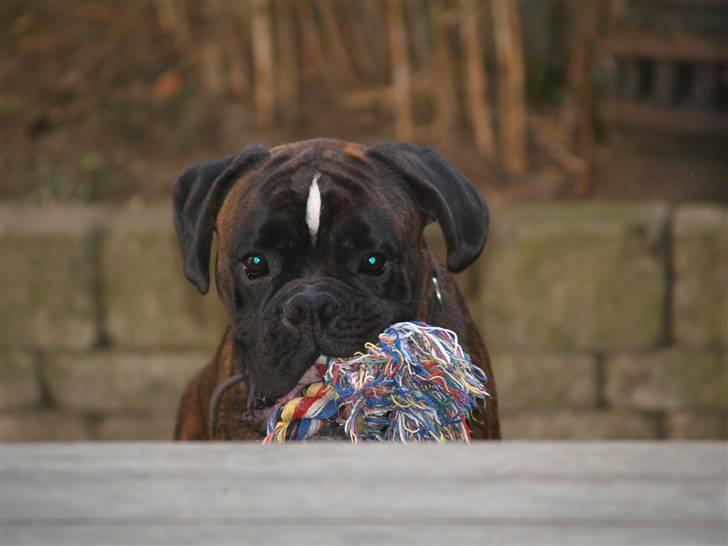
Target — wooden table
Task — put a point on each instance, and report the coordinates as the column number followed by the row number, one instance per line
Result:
column 326, row 493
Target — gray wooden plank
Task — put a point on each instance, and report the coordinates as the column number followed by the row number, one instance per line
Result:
column 638, row 493
column 688, row 460
column 487, row 532
column 377, row 496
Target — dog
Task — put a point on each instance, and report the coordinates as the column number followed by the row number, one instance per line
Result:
column 319, row 248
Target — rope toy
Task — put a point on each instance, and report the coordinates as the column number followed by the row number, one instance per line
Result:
column 415, row 384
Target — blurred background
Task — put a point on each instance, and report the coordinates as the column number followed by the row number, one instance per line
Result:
column 597, row 130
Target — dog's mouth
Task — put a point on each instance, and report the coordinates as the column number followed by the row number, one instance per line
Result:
column 260, row 408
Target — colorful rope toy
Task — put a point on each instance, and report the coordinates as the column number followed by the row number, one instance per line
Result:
column 416, row 384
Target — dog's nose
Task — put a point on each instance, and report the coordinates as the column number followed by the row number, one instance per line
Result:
column 311, row 304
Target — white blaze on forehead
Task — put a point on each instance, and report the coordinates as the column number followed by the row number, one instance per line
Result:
column 313, row 207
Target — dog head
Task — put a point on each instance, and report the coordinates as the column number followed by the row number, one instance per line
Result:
column 319, row 245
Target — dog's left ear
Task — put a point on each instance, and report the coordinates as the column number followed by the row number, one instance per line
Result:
column 443, row 194
column 198, row 196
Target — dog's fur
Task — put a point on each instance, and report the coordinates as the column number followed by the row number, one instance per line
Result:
column 316, row 298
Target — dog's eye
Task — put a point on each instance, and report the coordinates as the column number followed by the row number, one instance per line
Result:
column 255, row 266
column 372, row 264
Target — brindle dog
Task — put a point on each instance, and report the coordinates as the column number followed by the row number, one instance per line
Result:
column 320, row 248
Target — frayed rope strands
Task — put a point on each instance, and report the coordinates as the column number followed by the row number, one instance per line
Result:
column 416, row 384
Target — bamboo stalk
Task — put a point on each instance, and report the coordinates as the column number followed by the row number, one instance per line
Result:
column 446, row 103
column 476, row 87
column 401, row 78
column 204, row 47
column 577, row 54
column 336, row 41
column 511, row 85
column 287, row 61
column 374, row 22
column 211, row 64
column 172, row 20
column 577, row 110
column 311, row 38
column 233, row 35
column 421, row 50
column 365, row 60
column 263, row 64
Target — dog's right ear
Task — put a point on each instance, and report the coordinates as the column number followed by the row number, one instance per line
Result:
column 198, row 196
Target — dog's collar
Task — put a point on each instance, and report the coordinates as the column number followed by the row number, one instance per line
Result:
column 215, row 401
column 436, row 299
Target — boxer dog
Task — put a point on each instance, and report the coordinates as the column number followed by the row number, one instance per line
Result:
column 319, row 249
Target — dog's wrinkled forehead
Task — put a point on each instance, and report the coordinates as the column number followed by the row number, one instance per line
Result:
column 309, row 188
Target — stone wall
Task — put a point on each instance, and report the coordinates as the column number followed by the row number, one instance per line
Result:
column 604, row 321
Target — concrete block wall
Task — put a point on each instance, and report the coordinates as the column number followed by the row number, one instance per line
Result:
column 608, row 321
column 603, row 320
